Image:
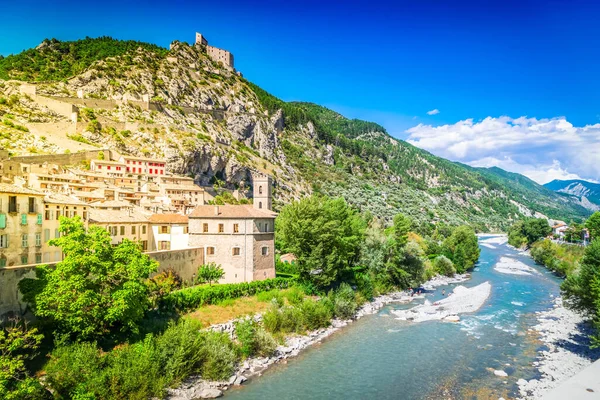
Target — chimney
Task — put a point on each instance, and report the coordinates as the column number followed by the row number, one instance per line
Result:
column 216, row 211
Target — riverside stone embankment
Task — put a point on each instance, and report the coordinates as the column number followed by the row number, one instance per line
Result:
column 198, row 388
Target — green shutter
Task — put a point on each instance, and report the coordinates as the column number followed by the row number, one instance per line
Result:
column 2, row 221
column 23, row 219
column 39, row 222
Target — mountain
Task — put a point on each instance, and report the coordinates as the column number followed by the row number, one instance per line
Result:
column 587, row 193
column 210, row 123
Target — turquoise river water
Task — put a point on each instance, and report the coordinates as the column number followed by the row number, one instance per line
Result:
column 380, row 357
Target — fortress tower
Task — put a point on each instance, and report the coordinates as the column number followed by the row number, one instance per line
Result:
column 217, row 55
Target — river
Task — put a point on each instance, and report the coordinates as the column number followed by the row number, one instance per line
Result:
column 380, row 357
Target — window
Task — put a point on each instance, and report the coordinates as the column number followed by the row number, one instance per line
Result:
column 260, row 189
column 48, row 215
column 38, row 239
column 122, row 230
column 23, row 219
column 12, row 204
column 236, row 228
column 260, row 204
column 46, row 235
column 2, row 221
column 56, row 234
column 164, row 245
column 57, row 214
column 205, row 228
column 235, row 251
column 265, row 251
column 85, row 215
column 24, row 240
column 24, row 260
column 210, row 251
column 164, row 229
column 186, row 229
column 2, row 262
column 133, row 229
column 221, row 228
column 144, row 245
column 38, row 258
column 39, row 219
column 3, row 241
column 31, row 205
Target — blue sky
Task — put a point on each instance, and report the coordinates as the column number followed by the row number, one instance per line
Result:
column 390, row 62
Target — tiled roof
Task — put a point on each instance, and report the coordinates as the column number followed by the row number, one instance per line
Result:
column 57, row 198
column 108, row 162
column 231, row 211
column 117, row 216
column 10, row 188
column 168, row 219
column 110, row 204
column 143, row 159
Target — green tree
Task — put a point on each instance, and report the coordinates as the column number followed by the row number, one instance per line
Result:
column 443, row 265
column 593, row 225
column 210, row 273
column 535, row 229
column 462, row 248
column 324, row 234
column 96, row 288
column 17, row 345
column 402, row 226
column 582, row 289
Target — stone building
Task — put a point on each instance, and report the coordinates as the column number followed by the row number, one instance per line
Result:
column 55, row 206
column 241, row 238
column 122, row 224
column 20, row 225
column 215, row 54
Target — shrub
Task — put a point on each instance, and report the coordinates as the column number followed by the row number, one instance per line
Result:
column 315, row 314
column 444, row 266
column 179, row 350
column 254, row 340
column 191, row 298
column 219, row 357
column 365, row 285
column 294, row 296
column 94, row 126
column 274, row 296
column 344, row 302
column 210, row 273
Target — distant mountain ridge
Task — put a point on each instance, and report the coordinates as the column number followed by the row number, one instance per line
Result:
column 585, row 191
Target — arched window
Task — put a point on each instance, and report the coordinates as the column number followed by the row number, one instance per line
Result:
column 260, row 204
column 260, row 190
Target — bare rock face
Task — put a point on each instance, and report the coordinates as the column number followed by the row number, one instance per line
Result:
column 328, row 155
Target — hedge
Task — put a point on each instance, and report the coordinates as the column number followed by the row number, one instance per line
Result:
column 194, row 297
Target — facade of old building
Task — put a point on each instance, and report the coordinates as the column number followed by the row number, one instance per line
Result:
column 168, row 232
column 241, row 238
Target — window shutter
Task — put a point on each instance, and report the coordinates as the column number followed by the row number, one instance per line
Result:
column 2, row 221
column 39, row 221
column 23, row 219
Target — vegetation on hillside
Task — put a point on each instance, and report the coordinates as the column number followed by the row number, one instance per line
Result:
column 54, row 60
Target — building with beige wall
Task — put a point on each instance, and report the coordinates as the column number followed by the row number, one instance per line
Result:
column 55, row 206
column 168, row 232
column 241, row 238
column 122, row 224
column 20, row 225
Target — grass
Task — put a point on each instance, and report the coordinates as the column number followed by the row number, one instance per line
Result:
column 232, row 309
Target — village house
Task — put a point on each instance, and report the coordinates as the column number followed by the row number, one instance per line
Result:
column 168, row 232
column 20, row 225
column 126, row 223
column 559, row 230
column 55, row 206
column 150, row 167
column 107, row 167
column 240, row 238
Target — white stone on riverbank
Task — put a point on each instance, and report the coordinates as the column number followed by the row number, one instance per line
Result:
column 461, row 300
column 508, row 265
column 498, row 239
column 565, row 334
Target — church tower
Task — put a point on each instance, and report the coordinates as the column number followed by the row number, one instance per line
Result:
column 262, row 191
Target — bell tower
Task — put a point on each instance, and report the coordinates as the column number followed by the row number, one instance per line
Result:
column 262, row 191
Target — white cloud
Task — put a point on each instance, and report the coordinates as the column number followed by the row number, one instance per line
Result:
column 435, row 111
column 542, row 149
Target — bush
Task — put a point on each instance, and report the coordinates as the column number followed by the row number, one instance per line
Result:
column 254, row 340
column 444, row 266
column 344, row 302
column 219, row 357
column 365, row 285
column 179, row 350
column 274, row 296
column 315, row 314
column 294, row 296
column 191, row 298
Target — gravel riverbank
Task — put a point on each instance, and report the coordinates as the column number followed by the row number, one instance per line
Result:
column 565, row 335
column 198, row 388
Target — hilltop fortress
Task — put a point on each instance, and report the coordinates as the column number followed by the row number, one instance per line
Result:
column 216, row 54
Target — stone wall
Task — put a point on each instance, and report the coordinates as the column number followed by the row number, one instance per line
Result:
column 185, row 262
column 60, row 107
column 63, row 159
